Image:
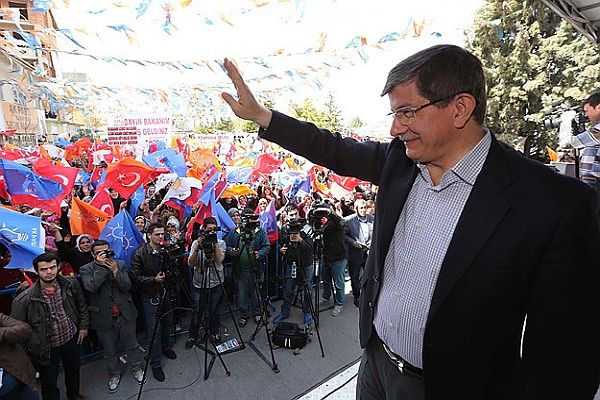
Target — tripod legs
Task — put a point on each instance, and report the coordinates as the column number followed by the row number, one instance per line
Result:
column 306, row 295
column 264, row 321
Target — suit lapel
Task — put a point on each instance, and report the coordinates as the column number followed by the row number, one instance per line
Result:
column 482, row 213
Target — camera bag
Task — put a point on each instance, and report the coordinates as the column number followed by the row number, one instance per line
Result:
column 289, row 335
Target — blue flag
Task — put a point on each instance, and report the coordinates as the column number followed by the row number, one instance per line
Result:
column 23, row 236
column 268, row 218
column 137, row 198
column 239, row 174
column 167, row 158
column 209, row 189
column 223, row 219
column 300, row 183
column 20, row 180
column 123, row 237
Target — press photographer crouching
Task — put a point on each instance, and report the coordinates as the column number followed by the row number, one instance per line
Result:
column 206, row 258
column 112, row 312
column 297, row 257
column 151, row 270
column 572, row 134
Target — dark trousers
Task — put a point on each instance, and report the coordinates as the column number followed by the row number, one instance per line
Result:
column 355, row 271
column 14, row 389
column 162, row 340
column 200, row 297
column 68, row 353
column 380, row 379
column 246, row 295
column 124, row 331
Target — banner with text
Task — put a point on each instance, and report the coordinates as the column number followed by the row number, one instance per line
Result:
column 141, row 129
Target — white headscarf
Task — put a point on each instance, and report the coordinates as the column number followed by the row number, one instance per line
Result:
column 85, row 235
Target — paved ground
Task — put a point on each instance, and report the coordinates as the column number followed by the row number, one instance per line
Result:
column 251, row 377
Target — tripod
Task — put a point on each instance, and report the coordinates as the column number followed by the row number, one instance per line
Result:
column 317, row 269
column 301, row 281
column 208, row 268
column 262, row 303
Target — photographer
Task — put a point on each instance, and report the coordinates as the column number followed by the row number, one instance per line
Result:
column 111, row 309
column 246, row 262
column 206, row 254
column 589, row 140
column 148, row 272
column 296, row 251
column 334, row 254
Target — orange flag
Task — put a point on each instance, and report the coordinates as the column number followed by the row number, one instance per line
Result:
column 237, row 190
column 552, row 154
column 87, row 219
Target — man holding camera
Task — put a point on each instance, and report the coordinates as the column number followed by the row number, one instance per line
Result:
column 148, row 271
column 296, row 250
column 589, row 141
column 206, row 258
column 358, row 228
column 248, row 247
column 112, row 312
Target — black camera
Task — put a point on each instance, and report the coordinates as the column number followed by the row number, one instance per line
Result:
column 295, row 226
column 108, row 253
column 553, row 119
column 248, row 227
column 316, row 214
column 172, row 249
column 209, row 240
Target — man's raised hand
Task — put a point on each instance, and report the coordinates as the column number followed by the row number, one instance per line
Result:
column 246, row 106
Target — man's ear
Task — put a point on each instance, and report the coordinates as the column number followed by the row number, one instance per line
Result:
column 463, row 106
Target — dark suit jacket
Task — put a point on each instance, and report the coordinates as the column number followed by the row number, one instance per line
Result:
column 102, row 289
column 352, row 230
column 527, row 244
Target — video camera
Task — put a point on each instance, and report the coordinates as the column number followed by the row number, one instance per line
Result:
column 209, row 240
column 316, row 214
column 295, row 226
column 553, row 118
column 108, row 253
column 172, row 250
column 248, row 227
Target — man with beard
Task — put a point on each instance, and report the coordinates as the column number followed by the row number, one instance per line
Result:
column 56, row 310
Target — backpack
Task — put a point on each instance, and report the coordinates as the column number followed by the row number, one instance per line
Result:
column 289, row 335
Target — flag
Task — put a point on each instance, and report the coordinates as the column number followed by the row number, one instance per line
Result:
column 86, row 218
column 223, row 219
column 14, row 154
column 268, row 221
column 137, row 199
column 182, row 188
column 25, row 187
column 205, row 210
column 265, row 165
column 238, row 174
column 125, row 176
column 64, row 175
column 102, row 201
column 301, row 183
column 163, row 180
column 23, row 236
column 347, row 182
column 237, row 190
column 168, row 159
column 552, row 154
column 123, row 237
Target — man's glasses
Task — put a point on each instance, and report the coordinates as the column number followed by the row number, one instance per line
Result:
column 407, row 115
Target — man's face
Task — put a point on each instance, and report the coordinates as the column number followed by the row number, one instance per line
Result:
column 293, row 214
column 429, row 138
column 157, row 236
column 85, row 245
column 593, row 113
column 98, row 250
column 47, row 270
column 361, row 210
column 209, row 227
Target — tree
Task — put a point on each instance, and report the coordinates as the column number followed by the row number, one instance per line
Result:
column 532, row 58
column 330, row 118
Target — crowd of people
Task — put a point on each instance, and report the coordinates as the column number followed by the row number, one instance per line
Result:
column 78, row 294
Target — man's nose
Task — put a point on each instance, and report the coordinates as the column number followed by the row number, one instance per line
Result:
column 397, row 128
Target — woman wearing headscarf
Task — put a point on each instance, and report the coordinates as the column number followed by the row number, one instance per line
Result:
column 78, row 256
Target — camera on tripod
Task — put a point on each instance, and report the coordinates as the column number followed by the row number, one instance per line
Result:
column 248, row 227
column 316, row 214
column 553, row 118
column 209, row 240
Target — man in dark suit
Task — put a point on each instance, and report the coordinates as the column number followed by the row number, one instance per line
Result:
column 482, row 280
column 112, row 312
column 358, row 228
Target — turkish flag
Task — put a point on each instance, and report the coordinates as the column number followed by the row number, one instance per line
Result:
column 103, row 201
column 64, row 175
column 347, row 182
column 87, row 219
column 265, row 165
column 16, row 154
column 127, row 175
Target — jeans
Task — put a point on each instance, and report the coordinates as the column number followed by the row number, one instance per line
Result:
column 355, row 271
column 163, row 338
column 289, row 291
column 335, row 270
column 68, row 353
column 14, row 389
column 125, row 331
column 199, row 300
column 246, row 295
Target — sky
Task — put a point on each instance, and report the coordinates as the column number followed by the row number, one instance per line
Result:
column 287, row 50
